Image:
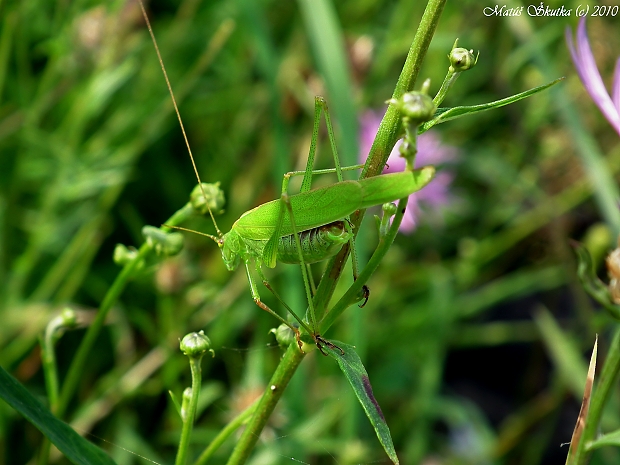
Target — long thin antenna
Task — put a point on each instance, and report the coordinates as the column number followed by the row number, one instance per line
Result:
column 176, row 109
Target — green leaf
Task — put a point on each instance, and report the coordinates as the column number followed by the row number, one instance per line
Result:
column 351, row 365
column 609, row 439
column 446, row 114
column 565, row 352
column 175, row 402
column 591, row 283
column 77, row 449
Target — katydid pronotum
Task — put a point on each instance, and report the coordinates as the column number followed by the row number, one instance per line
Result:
column 303, row 228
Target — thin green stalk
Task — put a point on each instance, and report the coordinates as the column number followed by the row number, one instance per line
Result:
column 225, row 433
column 388, row 132
column 382, row 146
column 53, row 331
column 601, row 394
column 79, row 361
column 280, row 379
column 384, row 245
column 48, row 359
column 190, row 413
column 387, row 135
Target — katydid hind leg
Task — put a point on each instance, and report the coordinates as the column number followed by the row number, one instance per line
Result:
column 320, row 106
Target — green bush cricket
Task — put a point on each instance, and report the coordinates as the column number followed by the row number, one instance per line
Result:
column 307, row 227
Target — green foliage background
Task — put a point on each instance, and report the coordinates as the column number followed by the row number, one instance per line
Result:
column 460, row 335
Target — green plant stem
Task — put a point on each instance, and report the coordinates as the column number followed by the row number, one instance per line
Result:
column 384, row 245
column 188, row 417
column 381, row 148
column 606, row 383
column 280, row 379
column 387, row 135
column 79, row 361
column 389, row 129
column 50, row 371
column 225, row 433
column 446, row 85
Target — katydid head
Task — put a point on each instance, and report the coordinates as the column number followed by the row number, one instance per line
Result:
column 229, row 245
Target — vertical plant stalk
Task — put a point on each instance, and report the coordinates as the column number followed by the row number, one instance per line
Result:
column 190, row 412
column 225, row 433
column 50, row 371
column 381, row 148
column 194, row 345
column 53, row 331
column 280, row 379
column 384, row 142
column 79, row 361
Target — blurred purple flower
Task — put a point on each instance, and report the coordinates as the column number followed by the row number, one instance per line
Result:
column 591, row 78
column 430, row 152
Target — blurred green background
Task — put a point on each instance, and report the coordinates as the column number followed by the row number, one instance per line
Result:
column 477, row 332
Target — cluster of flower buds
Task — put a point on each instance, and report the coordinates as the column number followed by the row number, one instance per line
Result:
column 206, row 196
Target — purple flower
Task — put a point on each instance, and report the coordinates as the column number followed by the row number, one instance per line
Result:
column 430, row 152
column 591, row 78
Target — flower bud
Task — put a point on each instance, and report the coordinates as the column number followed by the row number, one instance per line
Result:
column 209, row 194
column 284, row 335
column 196, row 344
column 416, row 106
column 162, row 242
column 389, row 209
column 461, row 59
column 68, row 317
column 124, row 255
column 186, row 402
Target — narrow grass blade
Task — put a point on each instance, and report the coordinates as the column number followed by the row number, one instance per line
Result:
column 446, row 114
column 351, row 365
column 77, row 449
column 564, row 352
column 585, row 407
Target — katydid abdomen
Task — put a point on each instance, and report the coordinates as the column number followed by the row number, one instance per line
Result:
column 317, row 244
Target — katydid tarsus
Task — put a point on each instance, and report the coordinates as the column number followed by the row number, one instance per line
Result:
column 303, row 228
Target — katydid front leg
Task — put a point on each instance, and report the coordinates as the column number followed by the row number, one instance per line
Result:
column 262, row 305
